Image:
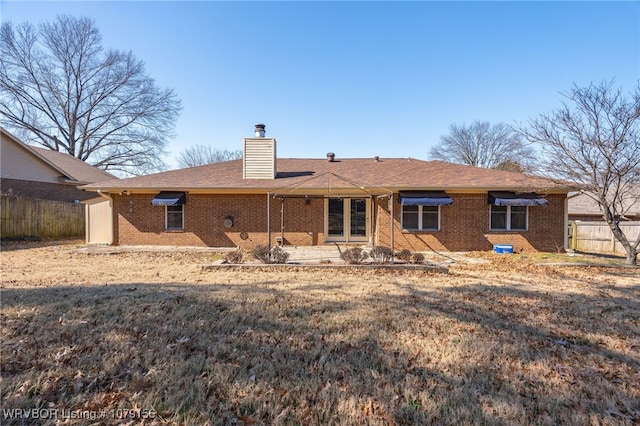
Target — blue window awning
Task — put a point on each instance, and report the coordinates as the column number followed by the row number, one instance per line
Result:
column 425, row 198
column 515, row 199
column 167, row 198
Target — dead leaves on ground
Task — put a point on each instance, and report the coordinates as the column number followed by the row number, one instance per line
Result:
column 502, row 340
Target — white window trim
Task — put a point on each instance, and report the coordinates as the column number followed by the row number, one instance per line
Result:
column 166, row 219
column 508, row 225
column 420, row 228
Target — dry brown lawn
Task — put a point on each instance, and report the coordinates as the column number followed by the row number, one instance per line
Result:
column 503, row 342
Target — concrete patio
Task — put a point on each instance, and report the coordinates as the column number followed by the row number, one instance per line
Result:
column 327, row 254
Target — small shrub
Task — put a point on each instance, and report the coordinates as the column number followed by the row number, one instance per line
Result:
column 278, row 255
column 404, row 256
column 262, row 253
column 235, row 256
column 275, row 255
column 381, row 254
column 354, row 256
column 417, row 258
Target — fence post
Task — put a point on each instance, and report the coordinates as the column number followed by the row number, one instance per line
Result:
column 574, row 236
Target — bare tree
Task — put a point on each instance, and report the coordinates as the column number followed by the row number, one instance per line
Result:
column 61, row 89
column 198, row 155
column 484, row 145
column 510, row 166
column 593, row 141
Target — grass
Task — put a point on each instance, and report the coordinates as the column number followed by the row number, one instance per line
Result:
column 502, row 342
column 578, row 258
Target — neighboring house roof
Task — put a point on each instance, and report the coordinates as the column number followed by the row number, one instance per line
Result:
column 585, row 205
column 72, row 168
column 383, row 173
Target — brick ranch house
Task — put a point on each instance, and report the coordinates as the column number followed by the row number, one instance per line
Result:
column 402, row 203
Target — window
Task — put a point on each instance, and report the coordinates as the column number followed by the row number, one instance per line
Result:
column 422, row 218
column 509, row 218
column 175, row 217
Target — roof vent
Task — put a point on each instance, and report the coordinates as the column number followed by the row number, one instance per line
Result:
column 260, row 130
column 331, row 157
column 376, row 159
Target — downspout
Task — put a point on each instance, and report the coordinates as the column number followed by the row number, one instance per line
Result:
column 566, row 226
column 108, row 197
column 282, row 222
column 269, row 220
column 392, row 225
column 371, row 215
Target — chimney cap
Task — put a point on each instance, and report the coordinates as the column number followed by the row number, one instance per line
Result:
column 260, row 130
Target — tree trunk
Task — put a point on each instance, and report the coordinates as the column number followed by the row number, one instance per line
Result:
column 632, row 252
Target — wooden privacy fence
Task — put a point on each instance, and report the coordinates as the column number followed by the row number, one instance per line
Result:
column 31, row 217
column 596, row 237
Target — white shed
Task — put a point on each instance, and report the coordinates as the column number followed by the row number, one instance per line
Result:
column 99, row 221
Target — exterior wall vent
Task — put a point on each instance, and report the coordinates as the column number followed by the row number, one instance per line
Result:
column 259, row 159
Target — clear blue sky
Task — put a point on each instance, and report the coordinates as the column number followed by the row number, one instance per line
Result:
column 360, row 78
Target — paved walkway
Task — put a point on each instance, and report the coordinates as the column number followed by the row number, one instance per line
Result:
column 321, row 254
column 329, row 253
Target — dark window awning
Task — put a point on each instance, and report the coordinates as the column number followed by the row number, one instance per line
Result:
column 425, row 198
column 514, row 199
column 166, row 198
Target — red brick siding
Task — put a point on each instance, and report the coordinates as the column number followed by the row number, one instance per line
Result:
column 137, row 222
column 44, row 190
column 464, row 224
column 303, row 221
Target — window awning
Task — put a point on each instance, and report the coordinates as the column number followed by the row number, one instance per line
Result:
column 425, row 198
column 513, row 199
column 166, row 198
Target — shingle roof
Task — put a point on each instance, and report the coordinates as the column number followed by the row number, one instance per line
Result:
column 388, row 173
column 73, row 167
column 585, row 205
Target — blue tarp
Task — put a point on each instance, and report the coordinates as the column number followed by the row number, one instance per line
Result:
column 425, row 198
column 166, row 198
column 514, row 199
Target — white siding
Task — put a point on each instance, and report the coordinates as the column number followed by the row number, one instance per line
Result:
column 18, row 163
column 259, row 159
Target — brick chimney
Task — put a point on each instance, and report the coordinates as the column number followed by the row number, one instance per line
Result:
column 259, row 159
